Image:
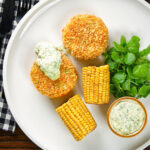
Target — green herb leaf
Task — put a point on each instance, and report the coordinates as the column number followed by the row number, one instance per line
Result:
column 142, row 60
column 145, row 52
column 141, row 70
column 111, row 50
column 118, row 90
column 129, row 58
column 115, row 57
column 144, row 90
column 105, row 55
column 122, row 58
column 133, row 91
column 133, row 45
column 126, row 85
column 112, row 65
column 123, row 41
column 140, row 81
column 118, row 47
column 148, row 76
column 119, row 77
column 129, row 68
column 112, row 88
column 130, row 73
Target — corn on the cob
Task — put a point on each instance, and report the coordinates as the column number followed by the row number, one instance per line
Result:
column 96, row 84
column 76, row 117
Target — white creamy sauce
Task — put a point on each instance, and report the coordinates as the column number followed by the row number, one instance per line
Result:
column 127, row 117
column 49, row 59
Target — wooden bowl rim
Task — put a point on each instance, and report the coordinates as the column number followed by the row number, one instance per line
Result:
column 124, row 98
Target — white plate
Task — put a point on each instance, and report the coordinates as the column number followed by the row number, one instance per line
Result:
column 35, row 113
column 145, row 3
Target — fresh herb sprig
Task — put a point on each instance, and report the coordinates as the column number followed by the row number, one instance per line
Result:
column 129, row 67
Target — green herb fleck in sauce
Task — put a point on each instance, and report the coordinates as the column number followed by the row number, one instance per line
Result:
column 127, row 117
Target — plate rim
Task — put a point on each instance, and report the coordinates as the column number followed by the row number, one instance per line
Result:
column 144, row 3
column 23, row 21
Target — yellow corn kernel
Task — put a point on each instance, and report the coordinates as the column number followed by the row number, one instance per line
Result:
column 76, row 117
column 96, row 84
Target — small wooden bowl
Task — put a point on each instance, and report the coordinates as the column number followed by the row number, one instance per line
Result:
column 121, row 99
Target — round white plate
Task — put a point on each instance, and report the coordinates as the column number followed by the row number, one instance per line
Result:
column 35, row 113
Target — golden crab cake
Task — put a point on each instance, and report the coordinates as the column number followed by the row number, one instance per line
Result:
column 85, row 36
column 59, row 87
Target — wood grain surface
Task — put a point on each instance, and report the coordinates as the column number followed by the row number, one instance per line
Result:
column 16, row 141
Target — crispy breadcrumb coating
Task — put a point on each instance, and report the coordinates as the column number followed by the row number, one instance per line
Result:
column 58, row 88
column 85, row 36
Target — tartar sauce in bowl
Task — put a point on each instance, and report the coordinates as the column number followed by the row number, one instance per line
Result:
column 127, row 117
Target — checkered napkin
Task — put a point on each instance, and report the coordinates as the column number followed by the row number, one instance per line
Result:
column 7, row 121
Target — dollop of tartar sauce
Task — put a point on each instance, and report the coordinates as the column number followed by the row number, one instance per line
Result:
column 127, row 117
column 49, row 59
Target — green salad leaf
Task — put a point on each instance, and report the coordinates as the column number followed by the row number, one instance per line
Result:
column 118, row 47
column 126, row 85
column 129, row 58
column 112, row 64
column 123, row 41
column 144, row 90
column 142, row 60
column 129, row 72
column 148, row 76
column 141, row 70
column 119, row 77
column 133, row 91
column 115, row 57
column 129, row 68
column 145, row 52
column 133, row 45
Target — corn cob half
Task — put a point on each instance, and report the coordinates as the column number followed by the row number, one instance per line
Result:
column 96, row 84
column 76, row 117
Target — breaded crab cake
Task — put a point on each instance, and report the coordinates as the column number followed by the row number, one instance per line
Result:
column 59, row 87
column 85, row 36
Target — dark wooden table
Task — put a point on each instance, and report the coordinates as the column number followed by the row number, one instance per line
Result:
column 16, row 141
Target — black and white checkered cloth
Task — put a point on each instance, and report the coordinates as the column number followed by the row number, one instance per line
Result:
column 7, row 121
